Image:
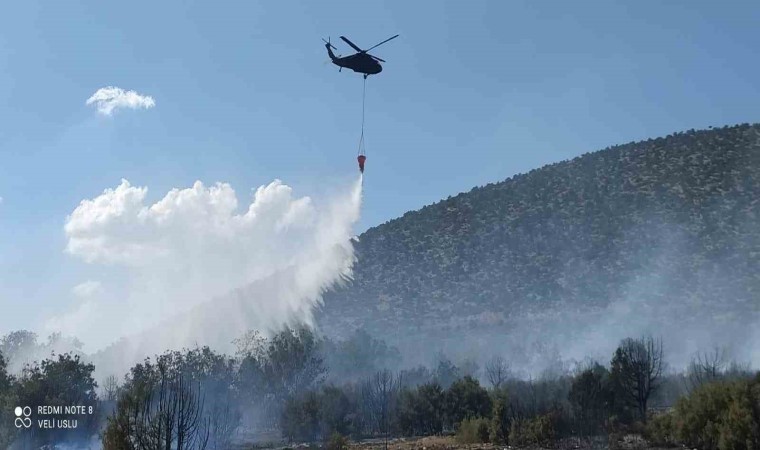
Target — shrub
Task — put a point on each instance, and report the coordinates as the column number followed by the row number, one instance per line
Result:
column 698, row 416
column 334, row 411
column 499, row 431
column 539, row 430
column 473, row 431
column 720, row 416
column 336, row 442
column 300, row 418
column 740, row 427
column 659, row 430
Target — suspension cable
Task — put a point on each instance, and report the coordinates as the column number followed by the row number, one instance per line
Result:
column 364, row 96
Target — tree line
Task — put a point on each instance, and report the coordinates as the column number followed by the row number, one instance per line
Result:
column 311, row 390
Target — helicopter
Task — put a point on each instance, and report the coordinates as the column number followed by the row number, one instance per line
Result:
column 361, row 62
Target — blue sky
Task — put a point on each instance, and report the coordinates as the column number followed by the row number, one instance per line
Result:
column 472, row 93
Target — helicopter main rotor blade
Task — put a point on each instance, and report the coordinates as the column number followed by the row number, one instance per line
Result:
column 378, row 45
column 352, row 44
column 375, row 57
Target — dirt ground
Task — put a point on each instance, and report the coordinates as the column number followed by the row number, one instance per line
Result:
column 629, row 442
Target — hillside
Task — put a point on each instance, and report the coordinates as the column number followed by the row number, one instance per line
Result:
column 628, row 239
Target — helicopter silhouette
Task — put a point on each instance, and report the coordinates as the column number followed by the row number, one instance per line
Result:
column 361, row 62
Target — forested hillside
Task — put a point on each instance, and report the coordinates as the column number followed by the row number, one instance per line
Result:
column 644, row 234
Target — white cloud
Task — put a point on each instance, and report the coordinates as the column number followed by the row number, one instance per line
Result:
column 195, row 245
column 109, row 98
column 87, row 289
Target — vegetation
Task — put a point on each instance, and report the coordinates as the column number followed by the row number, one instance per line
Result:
column 7, row 404
column 591, row 397
column 421, row 410
column 197, row 399
column 597, row 400
column 59, row 381
column 538, row 430
column 182, row 401
column 719, row 415
column 474, row 431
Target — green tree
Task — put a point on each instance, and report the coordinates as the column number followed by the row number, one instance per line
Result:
column 466, row 399
column 315, row 415
column 500, row 419
column 7, row 405
column 446, row 372
column 300, row 418
column 62, row 381
column 420, row 410
column 16, row 344
column 359, row 356
column 274, row 370
column 335, row 410
column 591, row 396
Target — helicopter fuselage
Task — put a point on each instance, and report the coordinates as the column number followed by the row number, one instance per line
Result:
column 359, row 62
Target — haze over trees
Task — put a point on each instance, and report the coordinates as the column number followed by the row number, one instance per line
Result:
column 201, row 399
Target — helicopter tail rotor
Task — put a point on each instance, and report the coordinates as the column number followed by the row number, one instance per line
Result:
column 328, row 43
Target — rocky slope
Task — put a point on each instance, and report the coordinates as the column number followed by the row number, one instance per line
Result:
column 623, row 240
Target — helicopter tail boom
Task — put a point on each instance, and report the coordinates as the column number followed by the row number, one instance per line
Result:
column 330, row 48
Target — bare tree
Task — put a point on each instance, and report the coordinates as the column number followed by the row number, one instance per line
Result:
column 637, row 366
column 707, row 367
column 223, row 420
column 168, row 415
column 252, row 344
column 111, row 388
column 379, row 394
column 192, row 426
column 497, row 371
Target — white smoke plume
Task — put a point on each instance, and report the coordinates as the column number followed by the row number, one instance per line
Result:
column 192, row 268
